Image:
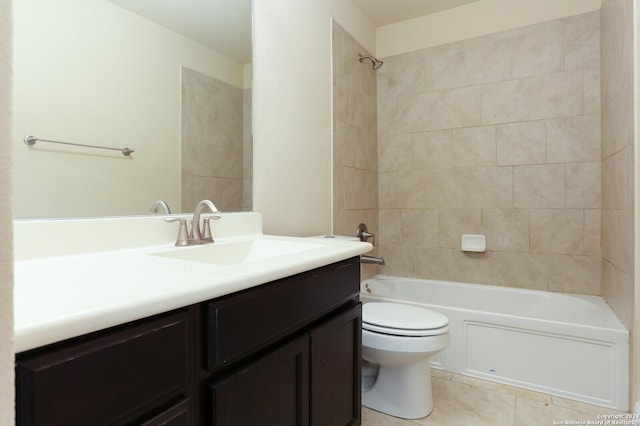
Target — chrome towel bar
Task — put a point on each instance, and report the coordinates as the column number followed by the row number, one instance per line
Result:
column 31, row 140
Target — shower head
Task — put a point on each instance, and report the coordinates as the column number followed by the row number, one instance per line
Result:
column 375, row 62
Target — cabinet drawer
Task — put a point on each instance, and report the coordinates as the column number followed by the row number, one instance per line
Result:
column 107, row 379
column 242, row 323
column 177, row 415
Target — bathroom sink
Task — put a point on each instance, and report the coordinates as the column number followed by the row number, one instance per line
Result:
column 238, row 252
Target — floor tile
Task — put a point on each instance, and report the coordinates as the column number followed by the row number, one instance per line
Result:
column 374, row 418
column 536, row 413
column 460, row 404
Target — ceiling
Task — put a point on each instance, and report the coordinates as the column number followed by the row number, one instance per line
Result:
column 225, row 25
column 221, row 25
column 383, row 12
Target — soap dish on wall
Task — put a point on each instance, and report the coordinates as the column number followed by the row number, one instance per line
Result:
column 474, row 243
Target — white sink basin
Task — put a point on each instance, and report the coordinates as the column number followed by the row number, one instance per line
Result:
column 236, row 253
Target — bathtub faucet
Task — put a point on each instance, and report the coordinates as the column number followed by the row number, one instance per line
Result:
column 372, row 259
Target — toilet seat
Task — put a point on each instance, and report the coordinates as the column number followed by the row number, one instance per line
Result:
column 402, row 320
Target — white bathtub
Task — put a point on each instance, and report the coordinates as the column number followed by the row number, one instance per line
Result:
column 568, row 345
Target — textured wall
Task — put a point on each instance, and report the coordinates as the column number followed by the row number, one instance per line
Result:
column 496, row 135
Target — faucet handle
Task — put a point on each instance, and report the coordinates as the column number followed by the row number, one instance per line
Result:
column 183, row 235
column 364, row 234
column 206, row 232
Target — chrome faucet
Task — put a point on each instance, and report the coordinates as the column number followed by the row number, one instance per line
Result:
column 196, row 236
column 160, row 207
column 372, row 259
column 363, row 234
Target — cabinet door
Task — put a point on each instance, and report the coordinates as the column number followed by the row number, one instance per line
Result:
column 105, row 380
column 273, row 391
column 177, row 415
column 336, row 352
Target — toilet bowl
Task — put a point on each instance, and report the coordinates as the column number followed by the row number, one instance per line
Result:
column 397, row 342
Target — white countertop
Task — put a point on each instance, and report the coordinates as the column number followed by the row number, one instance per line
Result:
column 63, row 296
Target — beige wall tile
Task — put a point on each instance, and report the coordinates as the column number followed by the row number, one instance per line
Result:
column 486, row 186
column 433, row 263
column 405, row 190
column 582, row 41
column 506, row 229
column 558, row 231
column 355, row 146
column 455, row 222
column 226, row 192
column 521, row 143
column 487, row 59
column 505, row 102
column 615, row 181
column 617, row 239
column 212, row 142
column 539, row 50
column 420, row 228
column 475, row 267
column 617, row 290
column 523, row 270
column 390, row 226
column 591, row 90
column 592, row 232
column 575, row 274
column 555, row 95
column 361, row 189
column 617, row 122
column 501, row 136
column 430, row 150
column 616, row 43
column 441, row 110
column 341, row 107
column 394, row 152
column 473, row 147
column 539, row 186
column 573, row 139
column 443, row 188
column 440, row 67
column 583, row 185
column 399, row 259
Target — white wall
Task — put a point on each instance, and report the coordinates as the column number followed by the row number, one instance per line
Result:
column 89, row 71
column 292, row 107
column 6, row 259
column 473, row 20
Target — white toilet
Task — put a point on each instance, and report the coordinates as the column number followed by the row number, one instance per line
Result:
column 397, row 342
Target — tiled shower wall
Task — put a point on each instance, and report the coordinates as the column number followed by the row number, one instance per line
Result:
column 497, row 135
column 617, row 157
column 212, row 142
column 355, row 156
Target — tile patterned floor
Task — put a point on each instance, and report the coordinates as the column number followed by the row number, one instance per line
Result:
column 461, row 401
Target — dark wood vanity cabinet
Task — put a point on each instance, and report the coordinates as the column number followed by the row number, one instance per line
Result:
column 125, row 376
column 282, row 353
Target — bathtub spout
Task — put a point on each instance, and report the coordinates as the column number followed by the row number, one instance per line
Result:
column 371, row 259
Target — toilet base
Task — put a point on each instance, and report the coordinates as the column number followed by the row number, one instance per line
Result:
column 402, row 391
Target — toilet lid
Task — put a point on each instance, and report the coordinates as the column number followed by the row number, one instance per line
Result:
column 403, row 317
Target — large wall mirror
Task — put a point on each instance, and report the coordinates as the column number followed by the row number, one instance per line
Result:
column 170, row 80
